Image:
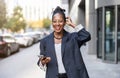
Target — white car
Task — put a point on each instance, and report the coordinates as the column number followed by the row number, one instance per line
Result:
column 23, row 41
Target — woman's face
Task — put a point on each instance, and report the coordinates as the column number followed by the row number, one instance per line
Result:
column 58, row 22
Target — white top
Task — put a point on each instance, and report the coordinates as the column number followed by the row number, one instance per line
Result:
column 61, row 68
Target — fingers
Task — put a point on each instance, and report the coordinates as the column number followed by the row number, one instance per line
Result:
column 45, row 60
column 68, row 19
column 69, row 22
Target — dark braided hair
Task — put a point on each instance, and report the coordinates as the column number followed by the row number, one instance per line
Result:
column 60, row 11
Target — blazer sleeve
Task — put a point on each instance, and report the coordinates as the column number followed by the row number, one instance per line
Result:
column 42, row 47
column 42, row 50
column 80, row 63
column 82, row 36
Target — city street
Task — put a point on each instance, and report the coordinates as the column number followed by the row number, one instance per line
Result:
column 22, row 64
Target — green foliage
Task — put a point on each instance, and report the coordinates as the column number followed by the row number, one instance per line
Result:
column 46, row 23
column 16, row 22
column 2, row 13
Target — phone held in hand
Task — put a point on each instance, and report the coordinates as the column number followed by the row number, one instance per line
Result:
column 42, row 67
column 42, row 56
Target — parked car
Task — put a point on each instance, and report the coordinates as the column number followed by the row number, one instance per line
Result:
column 8, row 45
column 33, row 35
column 23, row 41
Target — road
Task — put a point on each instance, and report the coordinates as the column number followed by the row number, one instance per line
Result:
column 22, row 64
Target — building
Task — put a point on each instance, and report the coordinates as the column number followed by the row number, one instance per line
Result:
column 102, row 19
column 32, row 9
column 108, row 30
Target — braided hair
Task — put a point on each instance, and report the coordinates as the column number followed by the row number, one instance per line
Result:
column 60, row 11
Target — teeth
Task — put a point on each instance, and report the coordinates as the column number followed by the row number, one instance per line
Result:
column 57, row 28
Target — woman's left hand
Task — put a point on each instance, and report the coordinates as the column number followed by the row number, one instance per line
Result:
column 69, row 22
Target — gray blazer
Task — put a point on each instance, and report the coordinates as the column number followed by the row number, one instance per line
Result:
column 71, row 56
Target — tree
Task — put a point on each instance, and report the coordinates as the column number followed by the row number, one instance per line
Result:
column 46, row 23
column 16, row 22
column 2, row 13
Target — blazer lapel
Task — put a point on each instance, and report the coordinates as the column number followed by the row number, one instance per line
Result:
column 64, row 40
column 52, row 46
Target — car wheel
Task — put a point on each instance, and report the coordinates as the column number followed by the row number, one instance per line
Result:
column 27, row 45
column 18, row 49
column 8, row 52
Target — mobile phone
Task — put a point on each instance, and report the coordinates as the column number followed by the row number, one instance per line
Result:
column 42, row 56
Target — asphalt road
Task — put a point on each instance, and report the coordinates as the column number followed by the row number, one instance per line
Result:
column 22, row 64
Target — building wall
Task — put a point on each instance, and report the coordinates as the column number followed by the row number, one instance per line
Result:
column 81, row 16
column 91, row 25
column 101, row 3
column 87, row 18
column 74, row 11
column 71, row 2
column 64, row 4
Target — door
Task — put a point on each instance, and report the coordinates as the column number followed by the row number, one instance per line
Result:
column 109, row 34
column 99, row 33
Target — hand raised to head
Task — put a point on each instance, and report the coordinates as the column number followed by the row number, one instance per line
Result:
column 69, row 22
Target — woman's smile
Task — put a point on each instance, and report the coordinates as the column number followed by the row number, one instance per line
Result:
column 57, row 27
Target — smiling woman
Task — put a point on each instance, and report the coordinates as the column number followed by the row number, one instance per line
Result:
column 62, row 49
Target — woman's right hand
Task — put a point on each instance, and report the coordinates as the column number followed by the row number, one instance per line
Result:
column 69, row 22
column 45, row 60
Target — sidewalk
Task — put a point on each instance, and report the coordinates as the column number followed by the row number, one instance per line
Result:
column 98, row 69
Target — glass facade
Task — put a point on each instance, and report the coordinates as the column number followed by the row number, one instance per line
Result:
column 108, row 34
column 118, row 33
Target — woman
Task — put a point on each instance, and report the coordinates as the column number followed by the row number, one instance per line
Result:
column 61, row 50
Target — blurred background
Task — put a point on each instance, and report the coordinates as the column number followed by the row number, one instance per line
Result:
column 23, row 23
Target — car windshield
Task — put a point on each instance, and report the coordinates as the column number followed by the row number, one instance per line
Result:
column 8, row 39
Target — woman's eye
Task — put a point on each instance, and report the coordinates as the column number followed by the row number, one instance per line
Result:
column 54, row 21
column 57, row 21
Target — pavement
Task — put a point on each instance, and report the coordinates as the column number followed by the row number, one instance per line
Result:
column 97, row 68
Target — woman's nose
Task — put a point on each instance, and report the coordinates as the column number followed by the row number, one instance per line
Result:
column 57, row 23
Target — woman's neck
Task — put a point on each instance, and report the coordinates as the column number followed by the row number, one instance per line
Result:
column 58, row 35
